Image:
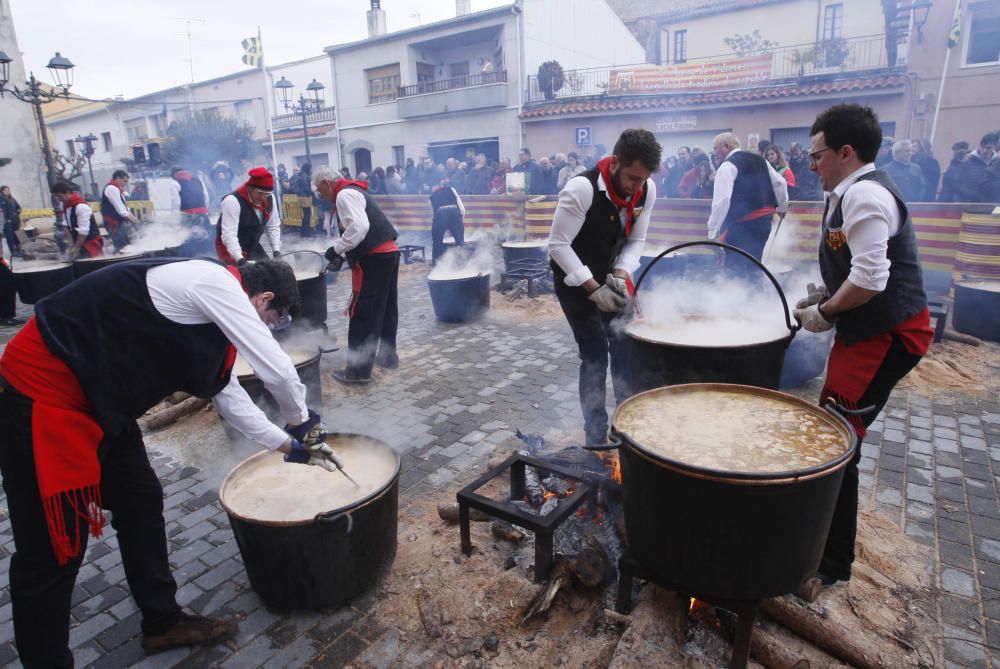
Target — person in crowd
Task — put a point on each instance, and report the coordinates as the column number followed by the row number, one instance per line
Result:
column 81, row 225
column 11, row 212
column 302, row 187
column 977, row 181
column 449, row 216
column 221, row 180
column 282, row 175
column 672, row 174
column 884, row 156
column 872, row 293
column 573, row 168
column 747, row 194
column 455, row 174
column 558, row 162
column 247, row 214
column 477, row 181
column 598, row 233
column 704, row 186
column 498, row 184
column 376, row 182
column 367, row 242
column 410, row 177
column 345, row 172
column 930, row 168
column 70, row 445
column 905, row 174
column 363, row 177
column 806, row 181
column 776, row 158
column 189, row 205
column 548, row 177
column 393, row 182
column 950, row 178
column 762, row 147
column 686, row 186
column 532, row 173
column 426, row 175
column 8, row 297
column 115, row 212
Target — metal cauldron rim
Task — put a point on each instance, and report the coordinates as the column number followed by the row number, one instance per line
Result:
column 305, row 363
column 731, row 347
column 478, row 276
column 742, row 478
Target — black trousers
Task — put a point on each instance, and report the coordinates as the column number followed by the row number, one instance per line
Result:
column 751, row 236
column 446, row 219
column 838, row 556
column 8, row 232
column 40, row 588
column 373, row 325
column 8, row 293
column 306, row 216
column 598, row 341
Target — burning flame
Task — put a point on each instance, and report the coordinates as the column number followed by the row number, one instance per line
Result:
column 548, row 494
column 613, row 463
column 691, row 605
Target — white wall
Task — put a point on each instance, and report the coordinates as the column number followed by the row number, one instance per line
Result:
column 577, row 33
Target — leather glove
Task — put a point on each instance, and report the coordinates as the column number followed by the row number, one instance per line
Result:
column 241, row 263
column 317, row 455
column 276, row 255
column 811, row 319
column 336, row 261
column 617, row 284
column 309, row 433
column 814, row 295
column 607, row 300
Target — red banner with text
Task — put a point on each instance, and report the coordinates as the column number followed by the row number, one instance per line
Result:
column 704, row 75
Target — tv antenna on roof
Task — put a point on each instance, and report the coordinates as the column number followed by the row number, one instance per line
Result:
column 187, row 32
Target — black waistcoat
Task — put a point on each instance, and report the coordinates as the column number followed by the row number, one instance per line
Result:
column 108, row 211
column 192, row 193
column 602, row 236
column 251, row 227
column 92, row 232
column 126, row 355
column 443, row 197
column 752, row 189
column 903, row 296
column 380, row 230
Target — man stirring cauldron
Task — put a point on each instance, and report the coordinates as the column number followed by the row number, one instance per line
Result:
column 873, row 293
column 96, row 356
column 247, row 213
column 80, row 222
column 598, row 233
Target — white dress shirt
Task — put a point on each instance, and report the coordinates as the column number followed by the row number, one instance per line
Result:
column 83, row 214
column 117, row 200
column 871, row 217
column 231, row 226
column 175, row 195
column 352, row 220
column 574, row 201
column 196, row 292
column 725, row 178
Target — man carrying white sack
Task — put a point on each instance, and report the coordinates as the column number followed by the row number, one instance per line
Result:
column 873, row 294
column 598, row 233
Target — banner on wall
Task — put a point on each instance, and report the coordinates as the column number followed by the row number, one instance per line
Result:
column 675, row 122
column 704, row 75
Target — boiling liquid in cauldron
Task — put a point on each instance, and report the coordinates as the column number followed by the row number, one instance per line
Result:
column 731, row 431
column 708, row 331
column 304, row 274
column 28, row 266
column 242, row 368
column 442, row 273
column 268, row 489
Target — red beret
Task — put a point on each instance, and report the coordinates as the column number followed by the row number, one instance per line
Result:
column 261, row 178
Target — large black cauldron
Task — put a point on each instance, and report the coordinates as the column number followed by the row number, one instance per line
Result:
column 977, row 308
column 84, row 266
column 35, row 280
column 460, row 300
column 310, row 269
column 305, row 561
column 657, row 363
column 728, row 535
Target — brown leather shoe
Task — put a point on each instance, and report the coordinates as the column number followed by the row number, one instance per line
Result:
column 190, row 630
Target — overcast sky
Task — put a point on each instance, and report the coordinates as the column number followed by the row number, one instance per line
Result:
column 141, row 46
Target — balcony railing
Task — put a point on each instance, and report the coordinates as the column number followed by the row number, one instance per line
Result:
column 467, row 81
column 826, row 58
column 325, row 115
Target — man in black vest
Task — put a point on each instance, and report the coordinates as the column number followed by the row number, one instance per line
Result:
column 598, row 233
column 115, row 214
column 449, row 216
column 873, row 293
column 746, row 195
column 85, row 236
column 247, row 213
column 96, row 356
column 189, row 199
column 368, row 242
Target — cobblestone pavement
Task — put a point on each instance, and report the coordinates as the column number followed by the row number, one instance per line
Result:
column 931, row 463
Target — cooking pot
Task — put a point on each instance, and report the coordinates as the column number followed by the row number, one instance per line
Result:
column 36, row 279
column 515, row 252
column 729, row 490
column 310, row 269
column 655, row 362
column 306, row 361
column 166, row 252
column 313, row 539
column 460, row 299
column 977, row 308
column 84, row 266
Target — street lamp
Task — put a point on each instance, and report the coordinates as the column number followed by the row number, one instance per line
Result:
column 303, row 105
column 87, row 145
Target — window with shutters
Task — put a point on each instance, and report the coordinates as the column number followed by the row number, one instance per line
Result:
column 983, row 28
column 680, row 46
column 383, row 83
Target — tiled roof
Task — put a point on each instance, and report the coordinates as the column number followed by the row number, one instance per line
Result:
column 790, row 91
column 296, row 133
column 669, row 10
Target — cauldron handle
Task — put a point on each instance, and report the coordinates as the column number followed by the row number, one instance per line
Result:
column 330, row 517
column 830, row 405
column 326, row 266
column 728, row 247
column 614, row 443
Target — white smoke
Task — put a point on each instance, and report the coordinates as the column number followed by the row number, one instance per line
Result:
column 463, row 262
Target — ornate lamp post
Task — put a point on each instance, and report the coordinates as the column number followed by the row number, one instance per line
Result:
column 87, row 145
column 303, row 105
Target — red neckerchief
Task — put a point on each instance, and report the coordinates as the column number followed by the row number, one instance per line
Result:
column 112, row 183
column 604, row 165
column 243, row 193
column 75, row 199
column 343, row 183
column 183, row 174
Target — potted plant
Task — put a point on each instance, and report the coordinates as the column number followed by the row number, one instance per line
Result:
column 550, row 78
column 831, row 53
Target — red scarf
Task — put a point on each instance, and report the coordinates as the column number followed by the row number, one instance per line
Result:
column 75, row 199
column 343, row 183
column 115, row 184
column 604, row 165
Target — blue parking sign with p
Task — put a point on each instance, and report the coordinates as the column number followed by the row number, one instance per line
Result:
column 583, row 136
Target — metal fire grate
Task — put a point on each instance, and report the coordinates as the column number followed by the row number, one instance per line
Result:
column 409, row 251
column 541, row 526
column 528, row 270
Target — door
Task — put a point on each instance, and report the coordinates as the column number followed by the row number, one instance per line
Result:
column 362, row 161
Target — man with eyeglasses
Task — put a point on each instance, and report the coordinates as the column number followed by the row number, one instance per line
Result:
column 96, row 356
column 873, row 294
column 247, row 214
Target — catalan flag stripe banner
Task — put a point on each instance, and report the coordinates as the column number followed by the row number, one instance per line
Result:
column 956, row 28
column 251, row 51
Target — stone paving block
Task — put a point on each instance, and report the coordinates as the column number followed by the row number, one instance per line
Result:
column 955, row 531
column 382, row 654
column 958, row 582
column 89, row 629
column 251, row 656
column 963, row 647
column 102, row 602
column 183, row 537
column 255, row 624
column 340, row 653
column 121, row 632
column 955, row 555
column 162, row 660
column 188, row 593
column 296, row 654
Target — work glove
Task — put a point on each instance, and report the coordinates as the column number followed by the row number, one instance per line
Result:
column 814, row 295
column 276, row 255
column 317, row 455
column 811, row 319
column 335, row 259
column 607, row 300
column 241, row 263
column 617, row 284
column 309, row 433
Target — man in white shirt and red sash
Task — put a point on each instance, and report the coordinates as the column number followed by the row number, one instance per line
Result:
column 84, row 235
column 247, row 214
column 598, row 233
column 873, row 294
column 114, row 211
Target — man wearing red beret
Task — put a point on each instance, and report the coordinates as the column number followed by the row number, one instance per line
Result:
column 247, row 213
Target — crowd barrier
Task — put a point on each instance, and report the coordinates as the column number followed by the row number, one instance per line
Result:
column 141, row 209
